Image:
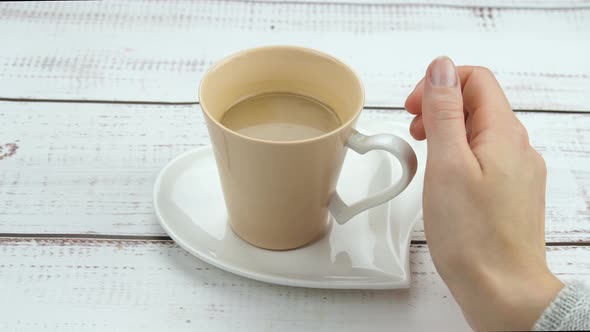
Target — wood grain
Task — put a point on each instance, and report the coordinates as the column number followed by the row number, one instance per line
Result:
column 90, row 168
column 157, row 51
column 118, row 285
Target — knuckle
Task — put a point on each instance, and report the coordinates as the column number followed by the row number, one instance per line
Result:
column 521, row 133
column 541, row 165
column 518, row 134
column 446, row 108
column 484, row 72
column 446, row 114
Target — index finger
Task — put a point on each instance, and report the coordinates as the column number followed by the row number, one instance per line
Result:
column 481, row 91
column 485, row 102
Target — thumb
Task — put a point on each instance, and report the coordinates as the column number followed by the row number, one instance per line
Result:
column 442, row 109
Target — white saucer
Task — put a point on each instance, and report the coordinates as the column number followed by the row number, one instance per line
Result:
column 371, row 251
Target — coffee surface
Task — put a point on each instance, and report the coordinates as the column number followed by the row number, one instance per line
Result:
column 280, row 117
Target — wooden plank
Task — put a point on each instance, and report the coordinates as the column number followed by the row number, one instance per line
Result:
column 460, row 3
column 158, row 51
column 89, row 168
column 107, row 285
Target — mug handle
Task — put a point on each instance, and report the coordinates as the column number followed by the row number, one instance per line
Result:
column 362, row 144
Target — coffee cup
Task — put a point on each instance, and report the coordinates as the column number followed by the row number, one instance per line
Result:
column 280, row 194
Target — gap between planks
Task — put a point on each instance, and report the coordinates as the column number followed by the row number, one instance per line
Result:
column 160, row 238
column 172, row 103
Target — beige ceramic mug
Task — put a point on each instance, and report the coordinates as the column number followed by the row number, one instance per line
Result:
column 279, row 194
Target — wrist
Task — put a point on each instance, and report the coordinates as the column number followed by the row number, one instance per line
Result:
column 524, row 298
column 493, row 299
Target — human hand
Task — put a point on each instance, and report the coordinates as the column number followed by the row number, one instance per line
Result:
column 484, row 198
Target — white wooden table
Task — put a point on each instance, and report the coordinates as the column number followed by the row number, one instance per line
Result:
column 96, row 97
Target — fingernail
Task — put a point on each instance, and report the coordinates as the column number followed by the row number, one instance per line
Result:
column 442, row 72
